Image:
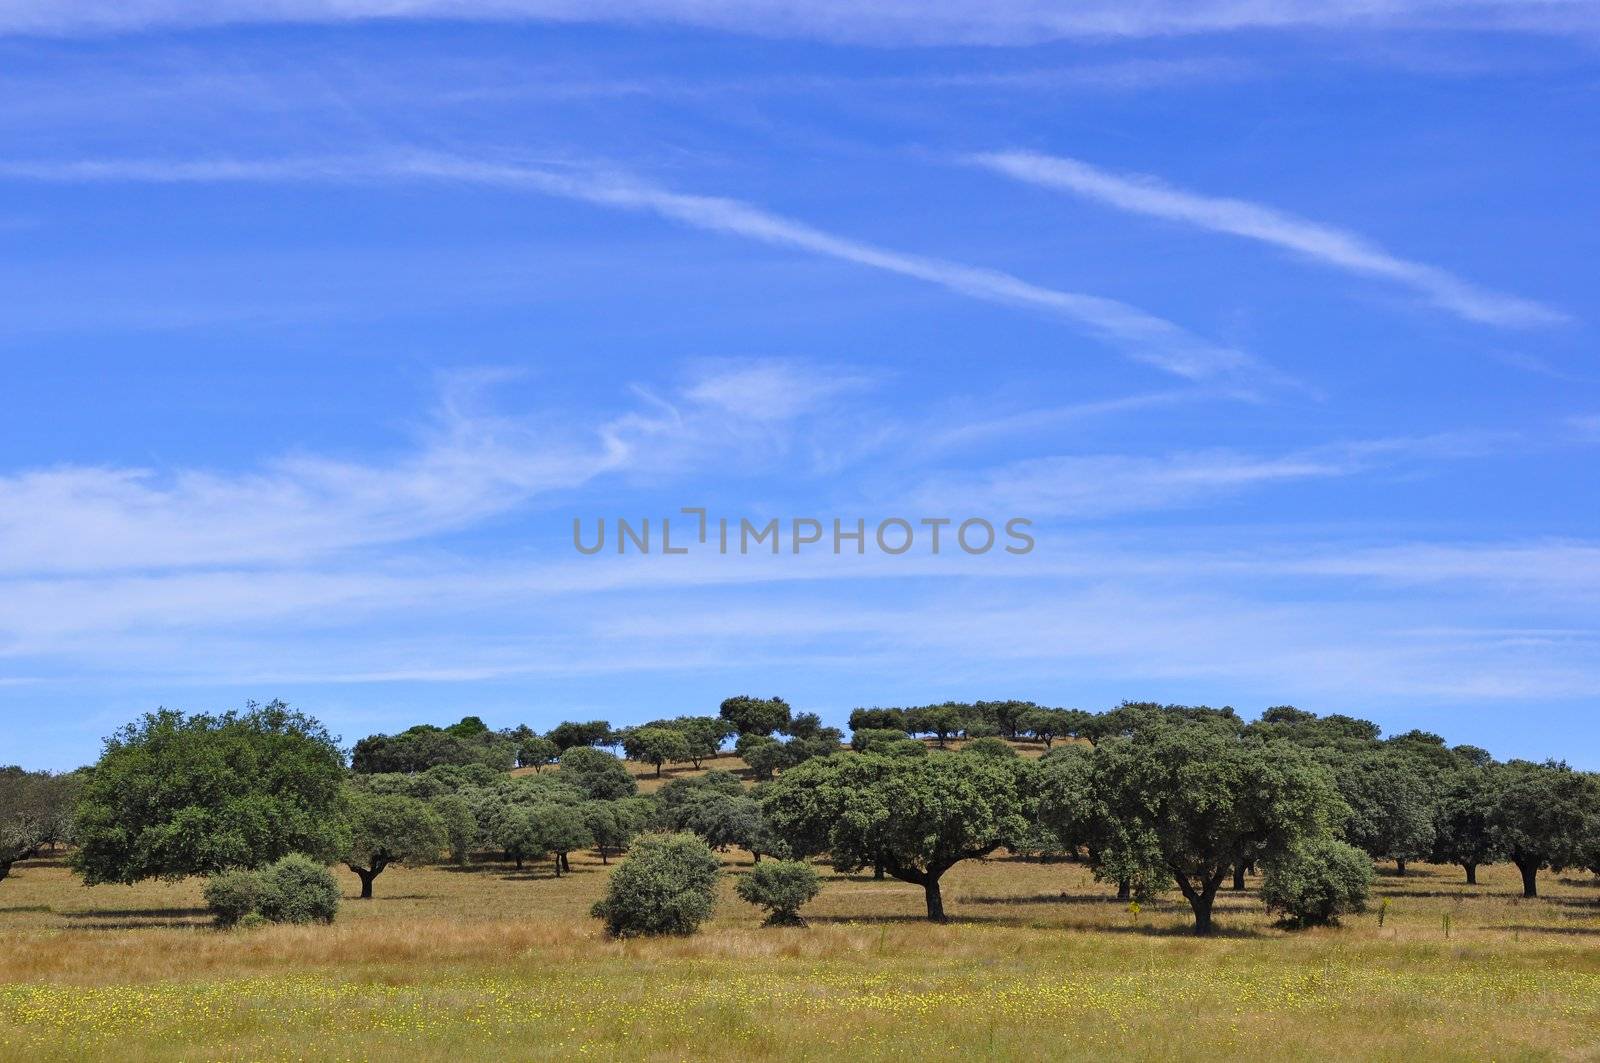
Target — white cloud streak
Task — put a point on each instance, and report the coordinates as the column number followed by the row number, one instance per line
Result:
column 1324, row 244
column 1141, row 336
column 883, row 22
column 469, row 465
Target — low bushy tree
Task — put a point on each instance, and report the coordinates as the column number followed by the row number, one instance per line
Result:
column 1198, row 795
column 989, row 747
column 781, row 887
column 569, row 735
column 232, row 895
column 913, row 817
column 668, row 885
column 36, row 809
column 460, row 825
column 755, row 716
column 1317, row 881
column 177, row 795
column 599, row 775
column 297, row 889
column 873, row 739
column 655, row 746
column 1544, row 816
column 389, row 829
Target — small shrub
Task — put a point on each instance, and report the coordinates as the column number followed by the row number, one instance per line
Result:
column 232, row 896
column 781, row 887
column 668, row 885
column 1317, row 883
column 989, row 746
column 251, row 921
column 868, row 739
column 297, row 889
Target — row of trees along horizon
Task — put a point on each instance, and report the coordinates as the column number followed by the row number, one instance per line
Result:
column 1152, row 797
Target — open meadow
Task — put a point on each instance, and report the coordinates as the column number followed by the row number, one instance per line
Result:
column 1038, row 961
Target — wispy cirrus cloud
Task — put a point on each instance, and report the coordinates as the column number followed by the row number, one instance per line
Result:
column 1141, row 336
column 1092, row 486
column 1324, row 244
column 885, row 22
column 469, row 464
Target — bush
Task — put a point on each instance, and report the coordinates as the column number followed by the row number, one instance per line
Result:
column 668, row 885
column 297, row 889
column 990, row 747
column 1317, row 882
column 781, row 887
column 232, row 895
column 869, row 739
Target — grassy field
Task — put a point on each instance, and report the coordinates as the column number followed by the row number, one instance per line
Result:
column 487, row 962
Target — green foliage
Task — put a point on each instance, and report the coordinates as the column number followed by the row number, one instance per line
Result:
column 1317, row 881
column 563, row 829
column 874, row 739
column 1202, row 798
column 232, row 895
column 389, row 829
column 781, row 887
column 570, row 735
column 36, row 809
column 703, row 735
column 655, row 745
column 599, row 775
column 942, row 721
column 614, row 824
column 1463, row 826
column 460, row 825
column 297, row 889
column 535, row 752
column 1545, row 815
column 916, row 817
column 425, row 746
column 876, row 719
column 755, row 716
column 765, row 755
column 1072, row 808
column 1392, row 801
column 177, row 795
column 989, row 747
column 668, row 885
column 1047, row 725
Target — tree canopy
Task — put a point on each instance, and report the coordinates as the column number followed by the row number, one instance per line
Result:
column 176, row 795
column 916, row 817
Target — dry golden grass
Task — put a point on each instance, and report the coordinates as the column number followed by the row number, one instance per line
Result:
column 488, row 962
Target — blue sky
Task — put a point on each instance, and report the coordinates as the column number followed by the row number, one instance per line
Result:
column 325, row 319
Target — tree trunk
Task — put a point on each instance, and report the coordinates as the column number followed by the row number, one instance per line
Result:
column 603, row 859
column 930, row 891
column 519, row 861
column 1400, row 865
column 1238, row 875
column 1200, row 900
column 877, row 870
column 366, row 877
column 566, row 865
column 658, row 769
column 1530, row 877
column 1472, row 872
column 1124, row 889
column 557, row 862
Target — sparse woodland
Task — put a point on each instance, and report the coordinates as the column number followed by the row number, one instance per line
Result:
column 1295, row 850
